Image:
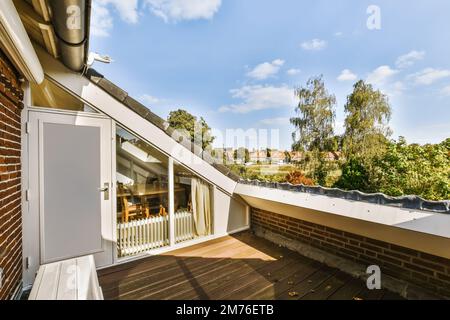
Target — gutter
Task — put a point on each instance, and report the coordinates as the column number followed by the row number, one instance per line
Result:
column 16, row 43
column 71, row 19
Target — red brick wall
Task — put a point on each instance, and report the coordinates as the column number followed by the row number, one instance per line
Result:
column 11, row 96
column 419, row 268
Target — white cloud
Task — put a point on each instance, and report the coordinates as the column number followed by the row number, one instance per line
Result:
column 275, row 121
column 381, row 75
column 446, row 90
column 395, row 88
column 293, row 71
column 177, row 10
column 260, row 97
column 149, row 100
column 314, row 45
column 102, row 19
column 338, row 34
column 264, row 70
column 347, row 75
column 429, row 75
column 409, row 59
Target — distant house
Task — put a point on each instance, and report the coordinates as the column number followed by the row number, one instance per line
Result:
column 277, row 157
column 258, row 156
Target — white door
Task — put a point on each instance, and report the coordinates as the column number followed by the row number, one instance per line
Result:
column 70, row 201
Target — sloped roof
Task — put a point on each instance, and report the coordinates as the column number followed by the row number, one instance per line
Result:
column 144, row 112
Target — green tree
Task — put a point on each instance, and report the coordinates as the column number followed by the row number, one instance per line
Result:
column 196, row 129
column 413, row 169
column 354, row 177
column 366, row 124
column 315, row 116
column 314, row 122
column 242, row 154
column 287, row 157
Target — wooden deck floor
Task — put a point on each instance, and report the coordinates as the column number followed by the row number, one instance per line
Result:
column 242, row 266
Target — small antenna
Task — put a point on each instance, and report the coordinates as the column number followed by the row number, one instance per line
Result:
column 94, row 56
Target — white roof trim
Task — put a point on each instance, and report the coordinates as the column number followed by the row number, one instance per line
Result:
column 420, row 221
column 17, row 44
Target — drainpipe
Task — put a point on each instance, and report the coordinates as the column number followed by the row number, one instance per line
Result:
column 15, row 42
column 70, row 19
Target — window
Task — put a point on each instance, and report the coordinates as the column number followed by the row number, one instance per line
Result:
column 142, row 195
column 193, row 205
column 143, row 213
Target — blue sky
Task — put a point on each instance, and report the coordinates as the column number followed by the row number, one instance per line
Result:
column 237, row 62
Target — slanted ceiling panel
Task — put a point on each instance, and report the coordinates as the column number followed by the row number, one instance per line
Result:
column 38, row 27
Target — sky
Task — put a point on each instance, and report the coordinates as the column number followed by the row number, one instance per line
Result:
column 237, row 63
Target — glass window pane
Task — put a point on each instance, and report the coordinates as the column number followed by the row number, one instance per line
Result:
column 193, row 206
column 142, row 195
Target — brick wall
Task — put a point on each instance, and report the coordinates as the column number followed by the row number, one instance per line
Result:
column 419, row 268
column 11, row 97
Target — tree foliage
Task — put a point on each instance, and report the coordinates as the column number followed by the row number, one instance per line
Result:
column 354, row 176
column 366, row 124
column 403, row 169
column 196, row 129
column 298, row 177
column 315, row 116
column 413, row 169
column 242, row 154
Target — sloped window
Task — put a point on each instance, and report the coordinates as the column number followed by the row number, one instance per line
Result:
column 142, row 195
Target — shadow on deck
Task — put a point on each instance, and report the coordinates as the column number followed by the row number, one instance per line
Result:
column 236, row 267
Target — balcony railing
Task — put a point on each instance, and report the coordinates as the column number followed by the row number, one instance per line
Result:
column 146, row 234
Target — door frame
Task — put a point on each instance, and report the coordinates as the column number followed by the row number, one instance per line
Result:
column 32, row 222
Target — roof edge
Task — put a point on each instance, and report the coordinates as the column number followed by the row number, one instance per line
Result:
column 406, row 202
column 122, row 96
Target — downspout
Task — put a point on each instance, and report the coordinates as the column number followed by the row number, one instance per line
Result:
column 70, row 19
column 15, row 42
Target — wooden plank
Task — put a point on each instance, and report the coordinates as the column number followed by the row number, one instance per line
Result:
column 226, row 291
column 67, row 285
column 37, row 284
column 366, row 294
column 304, row 287
column 84, row 267
column 49, row 284
column 271, row 292
column 349, row 290
column 197, row 286
column 194, row 284
column 145, row 281
column 149, row 267
column 389, row 295
column 328, row 287
column 270, row 281
column 246, row 251
column 164, row 280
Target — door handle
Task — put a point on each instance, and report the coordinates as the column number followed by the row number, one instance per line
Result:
column 105, row 191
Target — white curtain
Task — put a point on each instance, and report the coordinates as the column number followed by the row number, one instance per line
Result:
column 201, row 207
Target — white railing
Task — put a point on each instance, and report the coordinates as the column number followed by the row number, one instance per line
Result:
column 142, row 235
column 146, row 234
column 184, row 226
